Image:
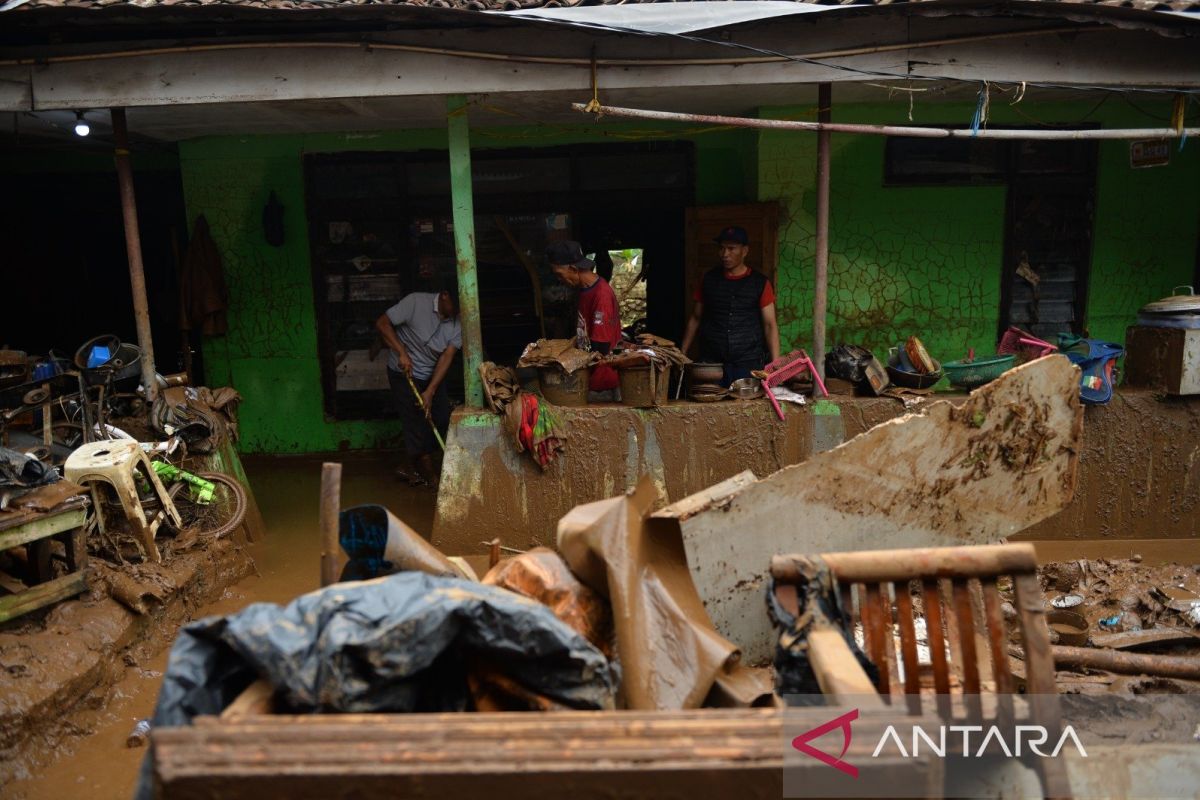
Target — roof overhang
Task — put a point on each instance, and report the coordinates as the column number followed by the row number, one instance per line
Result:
column 398, row 75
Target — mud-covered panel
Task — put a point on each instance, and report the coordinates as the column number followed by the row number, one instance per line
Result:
column 488, row 489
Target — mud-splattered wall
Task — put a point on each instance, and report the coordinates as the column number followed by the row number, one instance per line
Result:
column 928, row 260
column 270, row 353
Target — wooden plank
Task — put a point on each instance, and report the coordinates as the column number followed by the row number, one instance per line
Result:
column 936, row 479
column 953, row 634
column 872, row 631
column 42, row 595
column 39, row 526
column 76, row 546
column 1039, row 676
column 869, row 566
column 1130, row 640
column 908, row 639
column 837, row 669
column 888, row 640
column 997, row 644
column 970, row 659
column 701, row 753
column 258, row 698
column 937, row 644
column 331, row 506
column 39, row 553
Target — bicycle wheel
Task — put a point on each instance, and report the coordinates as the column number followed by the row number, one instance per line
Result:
column 218, row 517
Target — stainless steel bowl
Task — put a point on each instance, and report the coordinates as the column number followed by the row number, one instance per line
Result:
column 745, row 389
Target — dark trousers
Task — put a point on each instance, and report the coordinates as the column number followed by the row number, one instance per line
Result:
column 418, row 436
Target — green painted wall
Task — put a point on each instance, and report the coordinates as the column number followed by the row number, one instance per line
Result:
column 928, row 260
column 923, row 260
column 270, row 352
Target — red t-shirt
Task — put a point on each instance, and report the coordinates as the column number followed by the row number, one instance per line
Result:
column 600, row 319
column 765, row 299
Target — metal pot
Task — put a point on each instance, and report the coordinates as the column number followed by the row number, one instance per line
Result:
column 702, row 372
column 1071, row 627
column 1175, row 304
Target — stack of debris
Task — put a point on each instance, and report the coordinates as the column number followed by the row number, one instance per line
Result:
column 1111, row 617
column 663, row 352
column 561, row 353
column 542, row 631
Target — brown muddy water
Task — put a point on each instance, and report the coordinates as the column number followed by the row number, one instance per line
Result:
column 97, row 764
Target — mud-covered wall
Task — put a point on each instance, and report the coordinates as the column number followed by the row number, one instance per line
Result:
column 928, row 260
column 1139, row 471
column 270, row 353
column 489, row 489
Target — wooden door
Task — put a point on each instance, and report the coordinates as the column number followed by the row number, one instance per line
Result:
column 1049, row 238
column 761, row 221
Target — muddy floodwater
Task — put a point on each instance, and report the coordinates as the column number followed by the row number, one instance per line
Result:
column 97, row 764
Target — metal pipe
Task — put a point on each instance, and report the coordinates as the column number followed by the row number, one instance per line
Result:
column 821, row 267
column 133, row 249
column 892, row 130
column 464, row 246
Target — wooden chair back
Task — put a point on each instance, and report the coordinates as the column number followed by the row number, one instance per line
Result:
column 958, row 592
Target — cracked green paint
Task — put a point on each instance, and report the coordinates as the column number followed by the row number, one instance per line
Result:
column 928, row 260
column 270, row 352
column 924, row 260
column 826, row 408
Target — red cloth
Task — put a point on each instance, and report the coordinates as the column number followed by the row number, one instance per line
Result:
column 600, row 319
column 543, row 445
column 765, row 299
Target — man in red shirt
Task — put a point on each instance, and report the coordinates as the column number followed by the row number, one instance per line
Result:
column 599, row 318
column 734, row 311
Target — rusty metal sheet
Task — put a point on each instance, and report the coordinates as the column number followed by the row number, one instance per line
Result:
column 973, row 474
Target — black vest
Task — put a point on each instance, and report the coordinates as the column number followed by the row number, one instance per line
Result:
column 731, row 330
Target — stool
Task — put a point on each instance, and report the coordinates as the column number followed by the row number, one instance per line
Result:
column 785, row 368
column 115, row 463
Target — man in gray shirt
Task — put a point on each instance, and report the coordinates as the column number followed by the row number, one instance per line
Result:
column 422, row 334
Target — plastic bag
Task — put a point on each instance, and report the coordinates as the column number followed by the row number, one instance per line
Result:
column 848, row 362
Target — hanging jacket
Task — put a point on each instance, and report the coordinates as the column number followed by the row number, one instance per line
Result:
column 731, row 329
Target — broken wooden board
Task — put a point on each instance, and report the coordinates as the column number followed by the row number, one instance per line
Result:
column 1131, row 640
column 1002, row 460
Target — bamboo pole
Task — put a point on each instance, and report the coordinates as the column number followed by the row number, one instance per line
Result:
column 1161, row 666
column 821, row 271
column 893, row 130
column 464, row 246
column 133, row 249
column 331, row 506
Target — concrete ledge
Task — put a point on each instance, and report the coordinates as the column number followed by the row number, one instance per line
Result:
column 489, row 489
column 1139, row 476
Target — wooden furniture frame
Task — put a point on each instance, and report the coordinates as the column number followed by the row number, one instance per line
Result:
column 37, row 530
column 248, row 753
column 959, row 590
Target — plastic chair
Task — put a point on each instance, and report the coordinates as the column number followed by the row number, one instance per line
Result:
column 116, row 463
column 785, row 368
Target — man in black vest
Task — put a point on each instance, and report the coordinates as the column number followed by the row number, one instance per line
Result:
column 734, row 311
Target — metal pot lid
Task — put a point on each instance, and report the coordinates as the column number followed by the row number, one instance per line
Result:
column 1175, row 304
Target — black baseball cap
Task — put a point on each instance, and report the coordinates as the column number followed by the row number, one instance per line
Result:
column 568, row 252
column 733, row 233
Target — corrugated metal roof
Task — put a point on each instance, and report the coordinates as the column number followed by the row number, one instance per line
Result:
column 517, row 5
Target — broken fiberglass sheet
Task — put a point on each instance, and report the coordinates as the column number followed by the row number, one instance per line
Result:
column 672, row 18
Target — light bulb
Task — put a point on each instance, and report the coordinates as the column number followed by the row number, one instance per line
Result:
column 81, row 125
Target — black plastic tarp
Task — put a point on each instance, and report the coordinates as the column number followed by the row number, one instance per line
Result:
column 396, row 644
